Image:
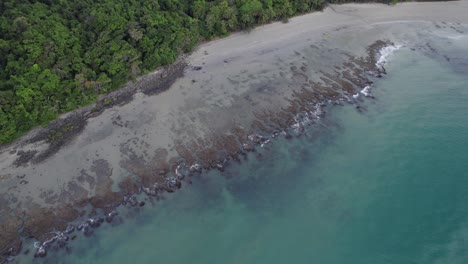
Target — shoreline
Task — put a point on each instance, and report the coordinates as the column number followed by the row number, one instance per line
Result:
column 295, row 129
column 210, row 154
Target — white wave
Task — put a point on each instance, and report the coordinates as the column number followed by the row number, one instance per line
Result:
column 456, row 37
column 355, row 96
column 385, row 53
column 366, row 91
column 264, row 143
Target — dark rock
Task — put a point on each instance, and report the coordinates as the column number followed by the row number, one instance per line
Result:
column 132, row 201
column 196, row 168
column 95, row 223
column 62, row 240
column 181, row 171
column 275, row 133
column 70, row 229
column 384, row 71
column 49, row 242
column 41, row 252
column 248, row 147
column 13, row 251
column 257, row 139
column 110, row 216
column 151, row 191
column 24, row 157
column 87, row 231
column 173, row 183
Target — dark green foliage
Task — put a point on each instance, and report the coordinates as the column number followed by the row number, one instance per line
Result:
column 57, row 55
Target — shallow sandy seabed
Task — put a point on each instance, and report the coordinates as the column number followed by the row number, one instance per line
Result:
column 235, row 93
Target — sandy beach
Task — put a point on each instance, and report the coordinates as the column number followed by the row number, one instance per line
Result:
column 235, row 94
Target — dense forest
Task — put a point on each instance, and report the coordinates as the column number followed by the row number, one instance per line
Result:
column 57, row 55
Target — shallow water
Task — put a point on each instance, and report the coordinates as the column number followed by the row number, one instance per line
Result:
column 388, row 185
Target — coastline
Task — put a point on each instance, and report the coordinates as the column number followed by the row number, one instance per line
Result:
column 163, row 170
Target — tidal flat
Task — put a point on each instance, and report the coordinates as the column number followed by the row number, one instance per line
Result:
column 228, row 98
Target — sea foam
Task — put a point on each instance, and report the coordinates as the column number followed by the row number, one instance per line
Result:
column 366, row 91
column 385, row 53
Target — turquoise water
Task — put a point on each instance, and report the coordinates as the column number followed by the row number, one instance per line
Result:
column 389, row 185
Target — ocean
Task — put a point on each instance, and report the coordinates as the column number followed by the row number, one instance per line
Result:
column 385, row 183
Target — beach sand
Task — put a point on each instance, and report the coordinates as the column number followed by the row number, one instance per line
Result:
column 258, row 83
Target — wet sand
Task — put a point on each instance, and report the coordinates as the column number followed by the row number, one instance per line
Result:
column 203, row 112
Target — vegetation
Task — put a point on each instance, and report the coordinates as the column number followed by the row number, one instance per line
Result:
column 57, row 55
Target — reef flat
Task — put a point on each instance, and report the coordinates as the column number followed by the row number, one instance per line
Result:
column 204, row 112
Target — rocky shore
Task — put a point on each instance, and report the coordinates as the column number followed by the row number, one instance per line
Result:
column 204, row 112
column 42, row 223
column 52, row 228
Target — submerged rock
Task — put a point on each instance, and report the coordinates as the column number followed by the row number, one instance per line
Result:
column 248, row 147
column 275, row 133
column 110, row 216
column 87, row 230
column 220, row 167
column 13, row 251
column 196, row 168
column 150, row 191
column 40, row 252
column 182, row 171
column 70, row 229
column 173, row 183
column 257, row 139
column 95, row 222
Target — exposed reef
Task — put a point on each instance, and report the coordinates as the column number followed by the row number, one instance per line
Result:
column 156, row 173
